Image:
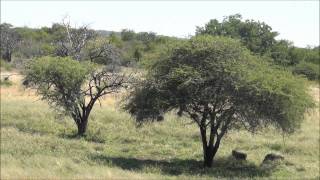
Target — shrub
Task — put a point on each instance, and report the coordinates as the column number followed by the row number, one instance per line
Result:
column 308, row 69
column 5, row 65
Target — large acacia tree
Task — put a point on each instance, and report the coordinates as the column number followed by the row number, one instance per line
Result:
column 72, row 87
column 218, row 84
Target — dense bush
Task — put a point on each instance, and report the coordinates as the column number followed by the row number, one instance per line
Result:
column 308, row 69
column 127, row 35
column 257, row 36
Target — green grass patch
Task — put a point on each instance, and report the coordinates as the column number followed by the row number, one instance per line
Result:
column 4, row 65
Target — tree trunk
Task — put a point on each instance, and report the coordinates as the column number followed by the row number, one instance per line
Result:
column 208, row 157
column 82, row 120
column 208, row 152
column 7, row 56
column 209, row 148
column 82, row 127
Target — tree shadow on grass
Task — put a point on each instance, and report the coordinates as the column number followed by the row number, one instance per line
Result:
column 222, row 167
column 87, row 137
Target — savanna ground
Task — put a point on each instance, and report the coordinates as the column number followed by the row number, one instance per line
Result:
column 36, row 143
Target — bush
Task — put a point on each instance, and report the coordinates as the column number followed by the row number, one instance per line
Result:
column 307, row 69
column 5, row 65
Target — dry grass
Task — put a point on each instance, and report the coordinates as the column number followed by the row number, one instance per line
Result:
column 35, row 144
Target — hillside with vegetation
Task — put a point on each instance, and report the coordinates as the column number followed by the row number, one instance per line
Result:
column 141, row 49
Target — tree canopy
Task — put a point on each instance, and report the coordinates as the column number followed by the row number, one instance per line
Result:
column 255, row 35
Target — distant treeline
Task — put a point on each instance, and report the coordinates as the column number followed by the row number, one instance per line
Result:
column 18, row 44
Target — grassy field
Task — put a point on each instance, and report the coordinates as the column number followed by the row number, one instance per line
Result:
column 36, row 143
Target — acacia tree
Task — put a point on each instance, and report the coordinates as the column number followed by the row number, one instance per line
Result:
column 217, row 83
column 9, row 41
column 72, row 87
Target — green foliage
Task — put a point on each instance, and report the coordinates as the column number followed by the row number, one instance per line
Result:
column 115, row 40
column 280, row 53
column 308, row 69
column 285, row 54
column 33, row 34
column 146, row 37
column 5, row 65
column 313, row 55
column 297, row 55
column 58, row 80
column 275, row 95
column 127, row 35
column 163, row 46
column 36, row 42
column 256, row 36
column 259, row 38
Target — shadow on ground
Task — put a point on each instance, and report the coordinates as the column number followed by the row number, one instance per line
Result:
column 89, row 137
column 223, row 167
